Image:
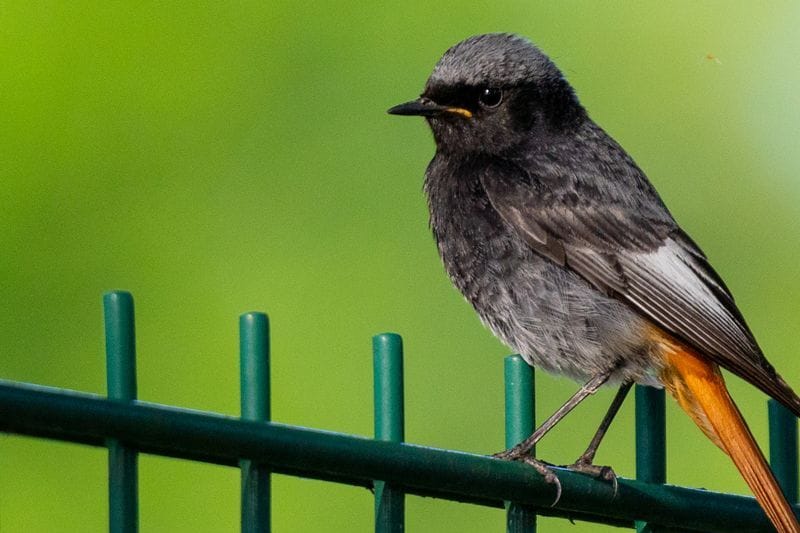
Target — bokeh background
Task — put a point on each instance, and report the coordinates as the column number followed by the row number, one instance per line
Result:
column 217, row 158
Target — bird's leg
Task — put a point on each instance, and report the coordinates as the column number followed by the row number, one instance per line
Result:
column 585, row 462
column 522, row 450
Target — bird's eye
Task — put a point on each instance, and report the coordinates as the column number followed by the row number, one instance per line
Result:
column 491, row 97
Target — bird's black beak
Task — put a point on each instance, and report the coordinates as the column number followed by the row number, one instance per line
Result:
column 425, row 107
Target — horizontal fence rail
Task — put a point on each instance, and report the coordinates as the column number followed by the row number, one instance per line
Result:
column 394, row 468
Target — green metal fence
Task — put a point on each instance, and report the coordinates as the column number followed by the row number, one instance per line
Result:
column 391, row 467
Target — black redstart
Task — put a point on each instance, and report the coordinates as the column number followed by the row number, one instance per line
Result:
column 569, row 256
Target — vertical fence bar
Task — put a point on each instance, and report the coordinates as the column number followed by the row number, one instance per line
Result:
column 520, row 409
column 651, row 441
column 255, row 385
column 387, row 359
column 123, row 477
column 783, row 448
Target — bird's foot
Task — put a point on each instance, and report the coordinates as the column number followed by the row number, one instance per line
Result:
column 603, row 473
column 542, row 467
column 517, row 453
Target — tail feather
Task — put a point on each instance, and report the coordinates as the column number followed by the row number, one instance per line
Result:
column 700, row 390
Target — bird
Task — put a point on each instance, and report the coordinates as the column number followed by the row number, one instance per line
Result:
column 569, row 256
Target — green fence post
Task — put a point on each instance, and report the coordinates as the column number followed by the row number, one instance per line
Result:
column 387, row 359
column 651, row 438
column 783, row 448
column 520, row 409
column 123, row 496
column 254, row 382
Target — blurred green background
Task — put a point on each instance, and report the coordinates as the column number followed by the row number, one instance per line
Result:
column 217, row 158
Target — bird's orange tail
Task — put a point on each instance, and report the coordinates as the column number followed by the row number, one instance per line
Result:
column 698, row 386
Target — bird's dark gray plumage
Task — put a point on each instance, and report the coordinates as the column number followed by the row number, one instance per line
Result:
column 554, row 234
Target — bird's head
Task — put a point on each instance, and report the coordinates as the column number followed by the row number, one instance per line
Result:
column 491, row 92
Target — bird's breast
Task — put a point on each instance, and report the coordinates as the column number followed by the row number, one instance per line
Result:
column 542, row 310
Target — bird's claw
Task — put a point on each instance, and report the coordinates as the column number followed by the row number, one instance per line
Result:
column 603, row 473
column 547, row 473
column 542, row 467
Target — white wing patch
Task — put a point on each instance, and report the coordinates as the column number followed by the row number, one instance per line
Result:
column 666, row 285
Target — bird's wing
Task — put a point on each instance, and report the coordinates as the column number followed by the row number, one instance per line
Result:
column 643, row 258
